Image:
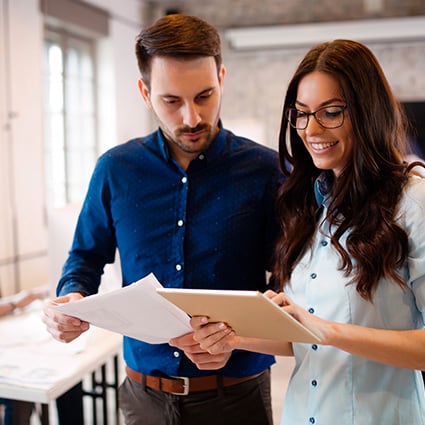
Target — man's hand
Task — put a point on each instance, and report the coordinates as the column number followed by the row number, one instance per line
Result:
column 200, row 357
column 216, row 338
column 62, row 327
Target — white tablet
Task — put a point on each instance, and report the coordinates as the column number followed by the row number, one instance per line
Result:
column 249, row 313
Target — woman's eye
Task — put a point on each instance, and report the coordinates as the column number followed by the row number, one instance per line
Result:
column 335, row 111
column 332, row 113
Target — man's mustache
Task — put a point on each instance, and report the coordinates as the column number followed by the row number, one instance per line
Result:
column 186, row 130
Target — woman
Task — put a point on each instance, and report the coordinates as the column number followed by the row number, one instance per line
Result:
column 351, row 258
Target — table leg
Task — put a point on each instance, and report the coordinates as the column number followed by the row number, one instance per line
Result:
column 99, row 390
column 114, row 386
column 44, row 417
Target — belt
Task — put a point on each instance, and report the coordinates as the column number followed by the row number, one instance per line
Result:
column 181, row 385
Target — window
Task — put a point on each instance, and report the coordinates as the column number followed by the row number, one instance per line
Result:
column 70, row 116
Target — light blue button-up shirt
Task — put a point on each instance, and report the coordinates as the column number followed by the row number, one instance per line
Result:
column 332, row 387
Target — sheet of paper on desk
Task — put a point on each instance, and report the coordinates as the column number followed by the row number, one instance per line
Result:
column 29, row 356
column 29, row 329
column 136, row 310
column 38, row 364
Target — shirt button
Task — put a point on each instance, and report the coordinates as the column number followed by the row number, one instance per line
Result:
column 314, row 347
column 184, row 179
column 313, row 275
column 178, row 267
column 180, row 223
column 176, row 354
column 324, row 243
column 312, row 420
column 314, row 383
column 311, row 310
column 202, row 156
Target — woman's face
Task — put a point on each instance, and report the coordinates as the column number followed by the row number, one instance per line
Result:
column 330, row 149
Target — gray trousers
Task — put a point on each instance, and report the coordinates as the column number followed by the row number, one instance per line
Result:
column 247, row 403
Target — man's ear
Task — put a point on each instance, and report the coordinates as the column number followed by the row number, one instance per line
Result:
column 221, row 75
column 144, row 91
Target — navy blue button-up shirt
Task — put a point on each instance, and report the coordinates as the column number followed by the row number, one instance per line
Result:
column 211, row 226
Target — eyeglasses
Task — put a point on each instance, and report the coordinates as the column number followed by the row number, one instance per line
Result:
column 327, row 117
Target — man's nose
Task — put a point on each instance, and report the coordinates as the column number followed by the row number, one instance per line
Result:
column 191, row 115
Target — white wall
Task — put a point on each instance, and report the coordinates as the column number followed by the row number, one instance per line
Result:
column 123, row 113
column 21, row 214
column 256, row 81
column 23, row 217
column 254, row 88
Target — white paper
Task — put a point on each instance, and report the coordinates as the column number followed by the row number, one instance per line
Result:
column 136, row 310
column 29, row 356
column 37, row 365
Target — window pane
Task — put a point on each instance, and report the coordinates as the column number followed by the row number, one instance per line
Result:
column 55, row 136
column 81, row 146
column 71, row 145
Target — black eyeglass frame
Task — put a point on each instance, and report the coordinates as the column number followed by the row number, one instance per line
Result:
column 308, row 114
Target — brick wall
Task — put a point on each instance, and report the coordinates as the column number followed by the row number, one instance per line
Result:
column 231, row 13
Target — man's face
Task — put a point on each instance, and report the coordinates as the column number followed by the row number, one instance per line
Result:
column 185, row 96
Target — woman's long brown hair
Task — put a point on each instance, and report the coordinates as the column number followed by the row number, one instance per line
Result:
column 365, row 196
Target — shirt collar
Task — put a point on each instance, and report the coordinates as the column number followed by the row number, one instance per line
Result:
column 322, row 187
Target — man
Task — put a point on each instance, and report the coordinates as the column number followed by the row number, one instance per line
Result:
column 194, row 204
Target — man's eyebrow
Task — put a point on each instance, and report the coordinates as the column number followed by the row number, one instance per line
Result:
column 210, row 89
column 169, row 95
column 173, row 96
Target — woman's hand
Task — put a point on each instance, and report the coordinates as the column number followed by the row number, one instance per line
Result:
column 317, row 325
column 281, row 299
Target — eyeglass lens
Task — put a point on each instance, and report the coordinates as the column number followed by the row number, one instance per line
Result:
column 327, row 117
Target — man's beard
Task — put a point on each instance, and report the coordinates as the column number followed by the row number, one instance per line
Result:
column 200, row 144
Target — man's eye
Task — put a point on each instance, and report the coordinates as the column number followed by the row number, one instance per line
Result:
column 204, row 96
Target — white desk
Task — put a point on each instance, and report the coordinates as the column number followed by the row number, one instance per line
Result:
column 42, row 355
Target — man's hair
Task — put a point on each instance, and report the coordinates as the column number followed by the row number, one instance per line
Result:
column 177, row 36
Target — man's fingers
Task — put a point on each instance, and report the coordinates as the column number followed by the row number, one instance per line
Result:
column 197, row 322
column 209, row 361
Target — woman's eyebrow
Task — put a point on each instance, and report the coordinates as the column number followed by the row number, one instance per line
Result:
column 325, row 103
